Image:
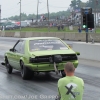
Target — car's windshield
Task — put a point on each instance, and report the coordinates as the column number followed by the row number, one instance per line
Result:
column 46, row 44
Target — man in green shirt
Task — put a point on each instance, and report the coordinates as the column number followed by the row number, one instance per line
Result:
column 70, row 87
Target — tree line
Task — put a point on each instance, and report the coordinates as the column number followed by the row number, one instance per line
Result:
column 24, row 16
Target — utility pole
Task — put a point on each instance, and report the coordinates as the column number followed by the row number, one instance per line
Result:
column 0, row 14
column 95, row 15
column 37, row 9
column 48, row 14
column 97, row 11
column 20, row 16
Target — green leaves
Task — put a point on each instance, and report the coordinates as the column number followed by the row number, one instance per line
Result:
column 89, row 3
column 93, row 3
column 75, row 3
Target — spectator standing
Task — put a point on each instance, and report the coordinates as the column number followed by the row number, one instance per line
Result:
column 70, row 87
column 62, row 26
column 79, row 29
column 58, row 26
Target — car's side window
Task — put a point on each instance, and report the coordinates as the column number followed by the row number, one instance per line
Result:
column 18, row 47
column 22, row 49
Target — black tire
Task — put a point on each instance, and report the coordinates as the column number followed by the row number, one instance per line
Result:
column 63, row 73
column 8, row 67
column 26, row 73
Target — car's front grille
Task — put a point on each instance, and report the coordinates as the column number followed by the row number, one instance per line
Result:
column 50, row 58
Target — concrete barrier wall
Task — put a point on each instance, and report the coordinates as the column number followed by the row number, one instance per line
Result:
column 51, row 35
column 36, row 34
column 2, row 34
column 44, row 35
column 23, row 34
column 17, row 34
column 28, row 34
column 80, row 37
column 60, row 35
column 88, row 51
column 67, row 36
column 9, row 34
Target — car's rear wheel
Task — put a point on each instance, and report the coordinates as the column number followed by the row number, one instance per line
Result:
column 8, row 67
column 63, row 73
column 26, row 73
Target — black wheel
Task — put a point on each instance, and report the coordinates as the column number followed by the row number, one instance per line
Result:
column 8, row 67
column 63, row 73
column 26, row 73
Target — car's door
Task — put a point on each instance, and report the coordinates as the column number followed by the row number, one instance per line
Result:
column 14, row 55
column 19, row 50
column 19, row 53
column 11, row 55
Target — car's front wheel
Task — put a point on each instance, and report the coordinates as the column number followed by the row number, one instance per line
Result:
column 26, row 73
column 8, row 67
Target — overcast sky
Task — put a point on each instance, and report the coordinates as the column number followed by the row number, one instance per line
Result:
column 11, row 7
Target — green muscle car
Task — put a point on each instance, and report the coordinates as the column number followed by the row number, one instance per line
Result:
column 39, row 54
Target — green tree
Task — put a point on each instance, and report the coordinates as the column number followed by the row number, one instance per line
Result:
column 93, row 4
column 33, row 16
column 77, row 4
column 73, row 4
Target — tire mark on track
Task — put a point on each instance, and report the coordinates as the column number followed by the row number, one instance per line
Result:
column 95, row 81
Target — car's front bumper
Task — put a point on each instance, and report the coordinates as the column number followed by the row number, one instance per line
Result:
column 41, row 67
